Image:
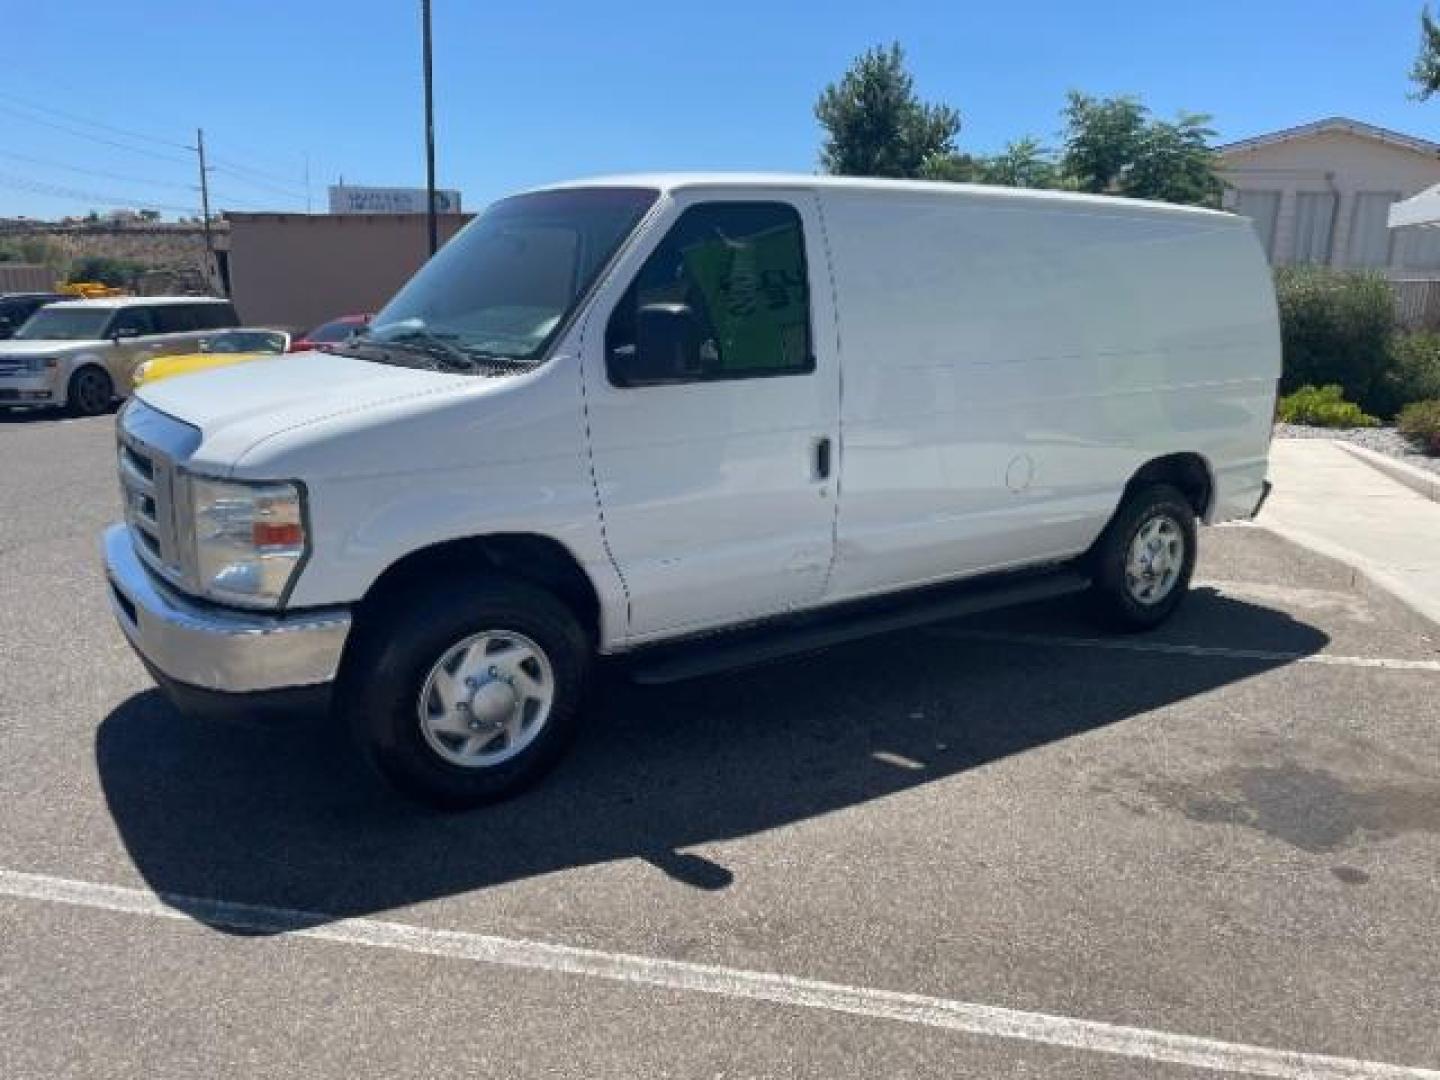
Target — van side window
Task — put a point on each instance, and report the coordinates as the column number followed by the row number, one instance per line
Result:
column 135, row 319
column 725, row 296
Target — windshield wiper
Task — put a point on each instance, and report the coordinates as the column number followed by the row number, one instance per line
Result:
column 388, row 353
column 433, row 345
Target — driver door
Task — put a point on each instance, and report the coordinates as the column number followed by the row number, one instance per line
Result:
column 714, row 456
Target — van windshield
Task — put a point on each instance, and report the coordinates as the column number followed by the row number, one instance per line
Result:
column 495, row 296
column 65, row 324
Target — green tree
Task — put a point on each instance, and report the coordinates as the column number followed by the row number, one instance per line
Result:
column 105, row 268
column 1425, row 72
column 1023, row 163
column 1174, row 163
column 1101, row 139
column 1113, row 147
column 874, row 123
column 40, row 250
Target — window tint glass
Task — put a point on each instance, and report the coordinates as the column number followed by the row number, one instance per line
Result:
column 137, row 319
column 174, row 319
column 338, row 330
column 503, row 288
column 214, row 316
column 65, row 324
column 247, row 341
column 740, row 269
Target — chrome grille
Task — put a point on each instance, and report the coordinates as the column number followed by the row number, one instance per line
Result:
column 14, row 367
column 151, row 447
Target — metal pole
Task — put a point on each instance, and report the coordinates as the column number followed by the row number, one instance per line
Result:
column 430, row 222
column 205, row 207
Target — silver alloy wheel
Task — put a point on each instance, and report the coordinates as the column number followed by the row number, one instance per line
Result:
column 1157, row 555
column 486, row 699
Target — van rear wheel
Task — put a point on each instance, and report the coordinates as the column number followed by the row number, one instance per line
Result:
column 1143, row 562
column 90, row 392
column 468, row 692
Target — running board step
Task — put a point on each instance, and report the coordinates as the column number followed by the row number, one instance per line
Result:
column 747, row 648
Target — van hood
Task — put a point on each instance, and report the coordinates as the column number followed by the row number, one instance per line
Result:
column 238, row 406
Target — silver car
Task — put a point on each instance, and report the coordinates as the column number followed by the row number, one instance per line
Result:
column 82, row 354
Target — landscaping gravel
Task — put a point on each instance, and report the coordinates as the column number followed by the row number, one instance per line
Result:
column 1383, row 440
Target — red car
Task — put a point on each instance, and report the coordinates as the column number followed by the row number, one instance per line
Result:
column 329, row 333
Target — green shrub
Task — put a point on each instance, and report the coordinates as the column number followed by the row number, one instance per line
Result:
column 1335, row 329
column 1323, row 406
column 1420, row 423
column 1413, row 373
column 106, row 269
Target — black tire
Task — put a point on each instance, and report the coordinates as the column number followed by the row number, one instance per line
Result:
column 390, row 662
column 90, row 392
column 1116, row 596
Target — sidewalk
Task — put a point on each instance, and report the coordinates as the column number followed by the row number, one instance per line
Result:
column 1334, row 503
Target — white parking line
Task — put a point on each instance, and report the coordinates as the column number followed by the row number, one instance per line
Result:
column 986, row 1020
column 1137, row 645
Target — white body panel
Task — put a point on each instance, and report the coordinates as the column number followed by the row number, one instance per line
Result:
column 991, row 367
column 1010, row 364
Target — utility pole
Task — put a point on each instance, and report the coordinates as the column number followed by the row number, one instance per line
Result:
column 429, row 133
column 205, row 203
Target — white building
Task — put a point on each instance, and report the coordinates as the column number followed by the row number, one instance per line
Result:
column 1321, row 194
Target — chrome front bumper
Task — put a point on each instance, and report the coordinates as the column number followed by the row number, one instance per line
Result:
column 214, row 648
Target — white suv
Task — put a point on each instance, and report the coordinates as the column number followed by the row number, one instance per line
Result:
column 82, row 354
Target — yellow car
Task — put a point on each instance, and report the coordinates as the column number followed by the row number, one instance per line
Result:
column 225, row 348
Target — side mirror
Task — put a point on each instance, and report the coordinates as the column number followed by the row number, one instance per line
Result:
column 668, row 347
column 125, row 332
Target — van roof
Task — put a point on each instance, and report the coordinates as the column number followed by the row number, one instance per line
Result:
column 879, row 187
column 136, row 301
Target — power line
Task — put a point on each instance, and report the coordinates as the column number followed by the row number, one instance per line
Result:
column 250, row 170
column 96, row 172
column 74, row 118
column 93, row 137
column 242, row 173
column 240, row 177
column 220, row 199
column 39, row 187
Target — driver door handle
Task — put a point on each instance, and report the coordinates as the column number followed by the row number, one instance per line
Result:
column 820, row 462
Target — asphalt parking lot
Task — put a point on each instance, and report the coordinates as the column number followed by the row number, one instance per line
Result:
column 999, row 847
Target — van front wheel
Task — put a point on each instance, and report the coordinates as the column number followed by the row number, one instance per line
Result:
column 1143, row 561
column 471, row 694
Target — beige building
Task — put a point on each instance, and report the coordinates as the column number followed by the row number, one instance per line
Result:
column 298, row 270
column 1321, row 194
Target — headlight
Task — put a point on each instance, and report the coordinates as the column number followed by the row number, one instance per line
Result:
column 38, row 365
column 249, row 540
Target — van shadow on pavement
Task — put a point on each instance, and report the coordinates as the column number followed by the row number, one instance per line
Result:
column 285, row 816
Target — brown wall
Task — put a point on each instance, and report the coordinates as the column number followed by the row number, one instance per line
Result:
column 298, row 270
column 26, row 277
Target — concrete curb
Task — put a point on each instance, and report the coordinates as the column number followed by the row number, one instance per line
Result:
column 1417, row 480
column 1366, row 577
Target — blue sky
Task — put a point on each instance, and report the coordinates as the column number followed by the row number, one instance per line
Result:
column 535, row 91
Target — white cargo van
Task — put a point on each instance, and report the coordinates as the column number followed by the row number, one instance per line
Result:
column 733, row 416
